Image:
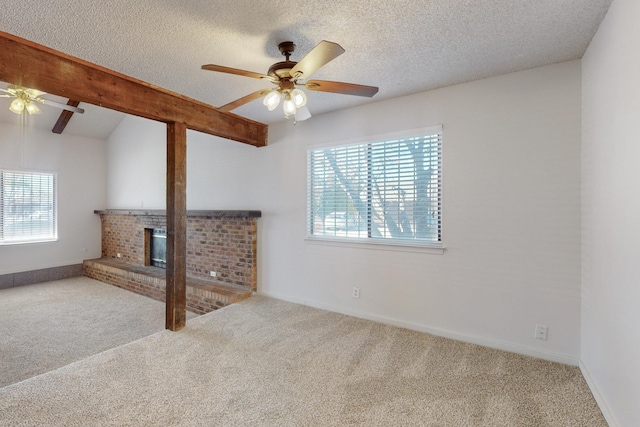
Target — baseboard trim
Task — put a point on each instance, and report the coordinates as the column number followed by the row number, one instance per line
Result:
column 31, row 277
column 500, row 345
column 602, row 403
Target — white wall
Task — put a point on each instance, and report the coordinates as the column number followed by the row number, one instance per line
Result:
column 611, row 219
column 511, row 210
column 136, row 157
column 81, row 167
column 137, row 163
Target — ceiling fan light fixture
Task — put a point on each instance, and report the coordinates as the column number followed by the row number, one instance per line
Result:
column 27, row 99
column 17, row 106
column 272, row 99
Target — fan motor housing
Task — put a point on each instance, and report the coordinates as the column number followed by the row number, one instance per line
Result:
column 281, row 70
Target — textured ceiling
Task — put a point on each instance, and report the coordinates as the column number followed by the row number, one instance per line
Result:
column 402, row 47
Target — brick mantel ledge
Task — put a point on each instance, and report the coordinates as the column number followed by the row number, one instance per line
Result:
column 200, row 213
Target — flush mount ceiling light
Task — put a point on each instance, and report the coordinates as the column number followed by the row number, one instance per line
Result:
column 26, row 99
column 289, row 74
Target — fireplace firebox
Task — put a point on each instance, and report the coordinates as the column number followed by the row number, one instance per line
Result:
column 158, row 248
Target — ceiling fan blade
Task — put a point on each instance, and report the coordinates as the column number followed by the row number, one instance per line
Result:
column 228, row 70
column 244, row 100
column 7, row 91
column 323, row 53
column 58, row 105
column 31, row 92
column 64, row 118
column 34, row 92
column 339, row 87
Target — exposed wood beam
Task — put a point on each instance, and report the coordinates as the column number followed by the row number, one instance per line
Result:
column 64, row 118
column 29, row 64
column 176, row 316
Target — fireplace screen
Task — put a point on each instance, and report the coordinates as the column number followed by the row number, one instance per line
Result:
column 159, row 248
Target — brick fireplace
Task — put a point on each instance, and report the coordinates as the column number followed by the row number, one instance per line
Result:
column 222, row 242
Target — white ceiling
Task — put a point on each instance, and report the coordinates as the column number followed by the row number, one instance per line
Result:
column 402, row 46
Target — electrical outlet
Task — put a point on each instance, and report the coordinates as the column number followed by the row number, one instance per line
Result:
column 356, row 292
column 541, row 332
column 119, row 255
column 212, row 273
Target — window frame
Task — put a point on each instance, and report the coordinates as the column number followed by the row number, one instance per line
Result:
column 369, row 242
column 50, row 237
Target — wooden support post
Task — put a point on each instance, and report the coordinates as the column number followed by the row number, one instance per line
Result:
column 176, row 226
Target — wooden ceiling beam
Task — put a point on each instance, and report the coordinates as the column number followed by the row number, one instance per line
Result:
column 64, row 118
column 29, row 64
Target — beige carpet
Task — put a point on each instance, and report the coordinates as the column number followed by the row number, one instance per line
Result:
column 264, row 362
column 49, row 325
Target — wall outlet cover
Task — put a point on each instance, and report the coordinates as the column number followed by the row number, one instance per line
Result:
column 541, row 332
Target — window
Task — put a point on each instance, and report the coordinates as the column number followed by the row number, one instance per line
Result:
column 27, row 207
column 387, row 190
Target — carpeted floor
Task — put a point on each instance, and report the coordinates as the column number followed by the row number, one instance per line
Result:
column 49, row 325
column 265, row 362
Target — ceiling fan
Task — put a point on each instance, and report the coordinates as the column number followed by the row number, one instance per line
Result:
column 26, row 99
column 286, row 75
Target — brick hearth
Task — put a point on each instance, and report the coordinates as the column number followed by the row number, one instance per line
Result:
column 203, row 296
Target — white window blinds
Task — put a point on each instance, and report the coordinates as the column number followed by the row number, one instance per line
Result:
column 381, row 190
column 27, row 207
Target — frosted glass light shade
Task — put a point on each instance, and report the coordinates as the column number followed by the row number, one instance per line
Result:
column 289, row 105
column 32, row 108
column 272, row 100
column 17, row 106
column 302, row 114
column 299, row 98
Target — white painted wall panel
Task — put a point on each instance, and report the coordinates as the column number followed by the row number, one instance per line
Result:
column 611, row 212
column 511, row 210
column 81, row 167
column 137, row 161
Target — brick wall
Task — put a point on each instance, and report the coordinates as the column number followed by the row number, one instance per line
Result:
column 227, row 246
column 225, row 242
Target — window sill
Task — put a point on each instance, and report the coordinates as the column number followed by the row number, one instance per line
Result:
column 27, row 242
column 380, row 245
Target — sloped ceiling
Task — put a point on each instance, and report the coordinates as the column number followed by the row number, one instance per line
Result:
column 402, row 47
